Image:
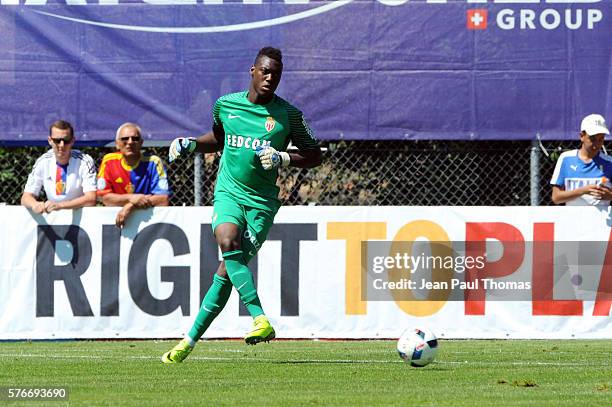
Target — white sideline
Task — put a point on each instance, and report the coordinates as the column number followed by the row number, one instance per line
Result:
column 347, row 361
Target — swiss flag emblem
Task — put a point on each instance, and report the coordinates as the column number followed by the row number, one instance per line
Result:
column 477, row 19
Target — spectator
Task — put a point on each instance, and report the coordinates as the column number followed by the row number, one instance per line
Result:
column 130, row 179
column 582, row 177
column 68, row 176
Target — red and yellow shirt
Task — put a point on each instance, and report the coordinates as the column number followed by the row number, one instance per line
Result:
column 147, row 177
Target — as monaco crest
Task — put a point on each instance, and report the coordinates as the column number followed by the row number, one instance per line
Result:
column 270, row 123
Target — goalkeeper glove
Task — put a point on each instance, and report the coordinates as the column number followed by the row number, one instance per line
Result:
column 270, row 158
column 179, row 146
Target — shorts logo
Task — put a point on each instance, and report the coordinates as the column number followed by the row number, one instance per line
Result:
column 251, row 237
column 270, row 123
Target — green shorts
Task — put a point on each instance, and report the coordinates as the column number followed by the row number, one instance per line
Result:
column 254, row 223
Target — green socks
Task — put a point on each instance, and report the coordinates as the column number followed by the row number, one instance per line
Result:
column 217, row 295
column 214, row 301
column 242, row 279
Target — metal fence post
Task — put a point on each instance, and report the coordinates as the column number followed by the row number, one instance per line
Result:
column 535, row 173
column 197, row 179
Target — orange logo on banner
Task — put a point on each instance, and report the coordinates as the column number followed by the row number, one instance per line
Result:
column 270, row 123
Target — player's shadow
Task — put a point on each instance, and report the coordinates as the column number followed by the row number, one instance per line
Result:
column 67, row 252
column 348, row 362
column 434, row 367
column 77, row 215
column 132, row 223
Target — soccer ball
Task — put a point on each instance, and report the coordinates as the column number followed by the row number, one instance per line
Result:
column 417, row 346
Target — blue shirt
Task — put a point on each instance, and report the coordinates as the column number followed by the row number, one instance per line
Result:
column 572, row 173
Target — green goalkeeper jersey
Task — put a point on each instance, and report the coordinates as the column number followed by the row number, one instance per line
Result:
column 247, row 126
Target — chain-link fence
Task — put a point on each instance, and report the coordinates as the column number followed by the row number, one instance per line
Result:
column 361, row 173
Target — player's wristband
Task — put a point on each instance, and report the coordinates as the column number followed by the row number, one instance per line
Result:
column 285, row 158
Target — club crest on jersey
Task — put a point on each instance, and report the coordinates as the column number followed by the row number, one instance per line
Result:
column 60, row 188
column 270, row 123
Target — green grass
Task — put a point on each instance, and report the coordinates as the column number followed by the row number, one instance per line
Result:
column 367, row 373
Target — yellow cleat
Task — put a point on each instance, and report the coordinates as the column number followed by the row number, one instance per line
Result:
column 262, row 331
column 178, row 353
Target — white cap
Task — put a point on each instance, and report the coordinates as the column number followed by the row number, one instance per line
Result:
column 594, row 124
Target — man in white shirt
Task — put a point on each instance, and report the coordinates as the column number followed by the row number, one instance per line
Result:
column 583, row 176
column 67, row 176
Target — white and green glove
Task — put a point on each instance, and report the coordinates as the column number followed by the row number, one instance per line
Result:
column 180, row 146
column 270, row 158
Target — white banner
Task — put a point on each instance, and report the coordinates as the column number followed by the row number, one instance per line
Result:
column 73, row 274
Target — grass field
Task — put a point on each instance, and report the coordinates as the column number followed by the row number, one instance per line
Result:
column 369, row 373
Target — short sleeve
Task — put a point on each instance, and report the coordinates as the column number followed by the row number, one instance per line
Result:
column 159, row 179
column 558, row 177
column 35, row 178
column 103, row 184
column 608, row 168
column 88, row 173
column 217, row 113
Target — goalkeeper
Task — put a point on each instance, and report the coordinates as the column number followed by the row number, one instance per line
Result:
column 253, row 128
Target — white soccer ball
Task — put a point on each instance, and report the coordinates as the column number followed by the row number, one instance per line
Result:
column 417, row 346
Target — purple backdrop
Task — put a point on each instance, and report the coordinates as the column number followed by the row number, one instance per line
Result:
column 386, row 69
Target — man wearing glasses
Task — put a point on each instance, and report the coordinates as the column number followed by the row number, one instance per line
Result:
column 68, row 176
column 129, row 179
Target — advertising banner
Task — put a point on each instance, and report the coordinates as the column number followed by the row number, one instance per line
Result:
column 324, row 272
column 359, row 69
